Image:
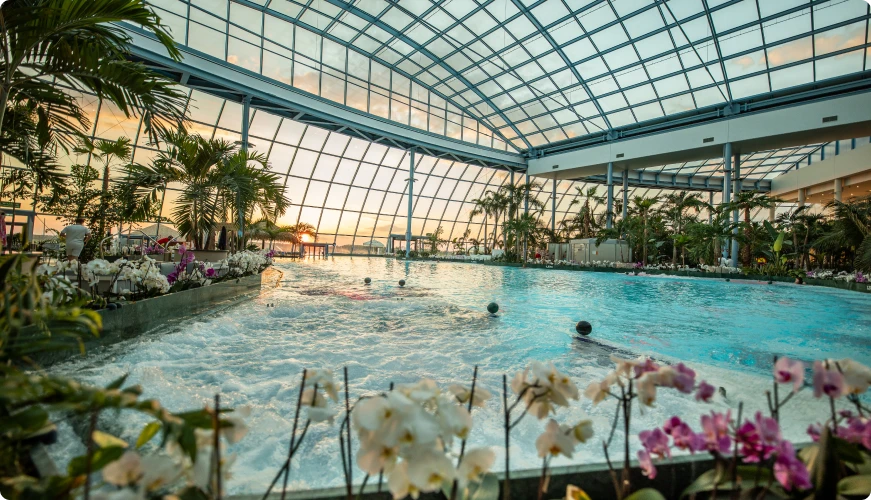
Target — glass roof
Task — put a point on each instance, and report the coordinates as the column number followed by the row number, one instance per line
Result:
column 518, row 74
column 352, row 190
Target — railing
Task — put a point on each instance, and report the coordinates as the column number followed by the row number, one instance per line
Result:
column 829, row 150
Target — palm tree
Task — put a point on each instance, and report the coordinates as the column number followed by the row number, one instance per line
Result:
column 644, row 207
column 519, row 196
column 675, row 210
column 50, row 44
column 522, row 227
column 852, row 227
column 298, row 231
column 585, row 217
column 746, row 201
column 791, row 222
column 706, row 240
column 216, row 179
column 107, row 152
column 482, row 206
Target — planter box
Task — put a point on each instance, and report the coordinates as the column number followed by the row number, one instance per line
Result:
column 143, row 316
column 211, row 255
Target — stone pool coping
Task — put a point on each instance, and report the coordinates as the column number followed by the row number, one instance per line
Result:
column 842, row 285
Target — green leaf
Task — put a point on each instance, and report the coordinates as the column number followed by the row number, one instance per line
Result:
column 148, row 432
column 855, row 485
column 105, row 440
column 778, row 243
column 705, row 482
column 646, row 494
column 101, row 458
column 846, row 451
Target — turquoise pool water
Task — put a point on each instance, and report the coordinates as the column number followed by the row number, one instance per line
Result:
column 438, row 327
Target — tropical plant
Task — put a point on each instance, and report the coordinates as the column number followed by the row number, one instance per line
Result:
column 745, row 201
column 48, row 45
column 851, row 226
column 219, row 182
column 106, row 151
column 644, row 206
column 675, row 210
column 523, row 228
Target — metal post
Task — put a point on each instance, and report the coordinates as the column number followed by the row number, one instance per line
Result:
column 610, row 215
column 737, row 191
column 839, row 188
column 727, row 183
column 625, row 194
column 410, row 204
column 553, row 208
column 246, row 111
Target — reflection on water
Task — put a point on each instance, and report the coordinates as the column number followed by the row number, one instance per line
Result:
column 437, row 326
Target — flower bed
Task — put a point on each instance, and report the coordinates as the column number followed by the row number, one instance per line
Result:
column 124, row 279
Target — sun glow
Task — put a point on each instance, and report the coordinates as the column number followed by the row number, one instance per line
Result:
column 306, row 238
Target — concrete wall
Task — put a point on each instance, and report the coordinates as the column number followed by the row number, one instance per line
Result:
column 586, row 250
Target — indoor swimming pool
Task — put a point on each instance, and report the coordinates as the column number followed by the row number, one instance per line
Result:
column 437, row 326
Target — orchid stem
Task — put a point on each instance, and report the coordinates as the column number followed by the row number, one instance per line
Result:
column 463, row 442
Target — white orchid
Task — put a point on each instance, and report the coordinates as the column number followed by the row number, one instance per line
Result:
column 325, row 380
column 543, row 388
column 399, row 483
column 556, row 440
column 857, row 377
column 430, row 470
column 598, row 391
column 318, row 411
column 125, row 471
column 463, row 394
column 475, row 463
column 583, row 430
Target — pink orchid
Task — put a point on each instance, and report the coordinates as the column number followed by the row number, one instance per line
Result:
column 655, row 442
column 646, row 464
column 758, row 439
column 705, row 392
column 684, row 379
column 814, row 431
column 789, row 470
column 715, row 429
column 855, row 430
column 828, row 382
column 647, row 366
column 788, row 371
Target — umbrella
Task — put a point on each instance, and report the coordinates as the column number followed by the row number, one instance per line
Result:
column 222, row 238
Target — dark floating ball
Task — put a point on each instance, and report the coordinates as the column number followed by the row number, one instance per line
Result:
column 769, row 282
column 584, row 328
column 401, row 282
column 118, row 305
column 367, row 280
column 492, row 308
column 111, row 306
column 727, row 279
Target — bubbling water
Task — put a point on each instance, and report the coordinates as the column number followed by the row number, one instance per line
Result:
column 437, row 326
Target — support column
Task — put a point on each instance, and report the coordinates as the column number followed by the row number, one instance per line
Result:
column 625, row 193
column 727, row 185
column 410, row 204
column 246, row 112
column 801, row 197
column 735, row 215
column 772, row 213
column 553, row 208
column 609, row 216
column 839, row 188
